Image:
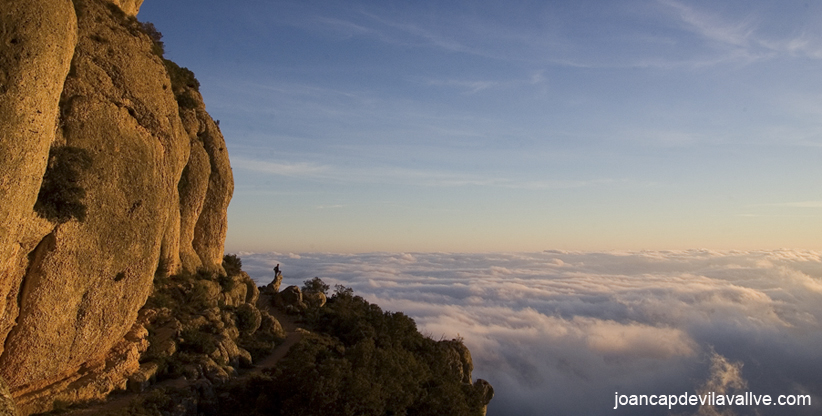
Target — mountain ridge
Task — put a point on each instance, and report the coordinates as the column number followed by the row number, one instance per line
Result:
column 114, row 188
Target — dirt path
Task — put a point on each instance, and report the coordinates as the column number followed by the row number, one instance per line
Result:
column 118, row 402
column 292, row 336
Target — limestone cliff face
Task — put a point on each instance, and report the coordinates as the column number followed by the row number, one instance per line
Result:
column 37, row 39
column 83, row 93
column 205, row 189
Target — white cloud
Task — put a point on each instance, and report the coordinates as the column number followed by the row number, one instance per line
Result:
column 403, row 176
column 279, row 168
column 805, row 204
column 725, row 378
column 742, row 38
column 563, row 330
column 713, row 27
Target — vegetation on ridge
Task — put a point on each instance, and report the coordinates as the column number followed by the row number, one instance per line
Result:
column 182, row 78
column 359, row 360
column 356, row 360
column 194, row 305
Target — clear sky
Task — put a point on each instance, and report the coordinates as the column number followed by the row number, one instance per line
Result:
column 482, row 125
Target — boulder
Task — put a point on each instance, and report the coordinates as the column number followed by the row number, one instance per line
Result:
column 271, row 325
column 139, row 381
column 274, row 286
column 129, row 7
column 7, row 406
column 459, row 358
column 252, row 293
column 163, row 348
column 166, row 330
column 249, row 318
column 213, row 371
column 230, row 325
column 290, row 299
column 245, row 359
column 237, row 294
column 485, row 390
column 314, row 299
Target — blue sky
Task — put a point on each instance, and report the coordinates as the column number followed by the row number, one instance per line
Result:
column 511, row 126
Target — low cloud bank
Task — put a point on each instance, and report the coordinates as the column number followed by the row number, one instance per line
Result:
column 560, row 332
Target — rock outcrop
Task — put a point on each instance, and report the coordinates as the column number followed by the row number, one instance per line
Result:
column 204, row 327
column 290, row 300
column 129, row 7
column 7, row 406
column 85, row 98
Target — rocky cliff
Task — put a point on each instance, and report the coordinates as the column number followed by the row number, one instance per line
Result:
column 110, row 171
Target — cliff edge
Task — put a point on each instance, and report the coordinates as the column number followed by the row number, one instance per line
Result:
column 111, row 170
column 114, row 187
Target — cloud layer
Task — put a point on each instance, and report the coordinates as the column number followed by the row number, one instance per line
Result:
column 560, row 332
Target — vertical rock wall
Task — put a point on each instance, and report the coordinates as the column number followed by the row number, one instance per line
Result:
column 37, row 39
column 80, row 79
column 212, row 223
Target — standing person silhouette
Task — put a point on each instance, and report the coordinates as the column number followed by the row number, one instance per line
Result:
column 277, row 270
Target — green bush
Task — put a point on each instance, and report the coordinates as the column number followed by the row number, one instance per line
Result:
column 159, row 402
column 232, row 264
column 359, row 360
column 197, row 341
column 61, row 196
column 156, row 37
column 259, row 345
column 248, row 318
column 315, row 285
column 226, row 283
column 181, row 77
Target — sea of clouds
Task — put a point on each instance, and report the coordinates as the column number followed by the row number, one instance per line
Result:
column 561, row 332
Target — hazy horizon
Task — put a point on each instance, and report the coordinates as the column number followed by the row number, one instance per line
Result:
column 560, row 332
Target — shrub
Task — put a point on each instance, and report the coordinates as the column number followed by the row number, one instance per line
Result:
column 226, row 283
column 181, row 77
column 61, row 197
column 248, row 318
column 162, row 401
column 156, row 37
column 361, row 360
column 259, row 345
column 197, row 342
column 315, row 285
column 232, row 264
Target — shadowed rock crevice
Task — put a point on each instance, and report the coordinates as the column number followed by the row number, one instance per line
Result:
column 61, row 195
